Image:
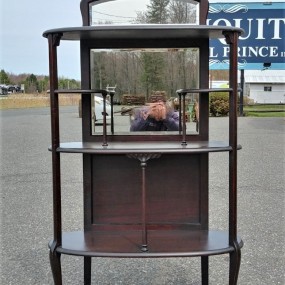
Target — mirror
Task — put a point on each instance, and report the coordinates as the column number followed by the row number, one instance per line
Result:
column 142, row 85
column 140, row 78
column 142, row 12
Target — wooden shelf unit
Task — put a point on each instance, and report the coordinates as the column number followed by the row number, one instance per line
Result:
column 163, row 209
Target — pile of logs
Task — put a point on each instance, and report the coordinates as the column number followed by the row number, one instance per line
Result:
column 157, row 96
column 128, row 99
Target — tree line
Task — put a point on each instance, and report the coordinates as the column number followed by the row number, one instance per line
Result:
column 35, row 83
column 142, row 72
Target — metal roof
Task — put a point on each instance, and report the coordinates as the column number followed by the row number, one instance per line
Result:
column 264, row 76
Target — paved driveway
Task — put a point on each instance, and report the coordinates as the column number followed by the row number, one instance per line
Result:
column 26, row 206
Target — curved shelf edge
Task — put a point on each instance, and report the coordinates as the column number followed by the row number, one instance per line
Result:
column 204, row 90
column 142, row 31
column 102, row 91
column 179, row 243
column 80, row 91
column 144, row 147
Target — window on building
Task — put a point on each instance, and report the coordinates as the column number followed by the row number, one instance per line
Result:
column 267, row 88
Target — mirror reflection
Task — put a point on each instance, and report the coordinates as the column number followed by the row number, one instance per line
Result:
column 142, row 83
column 143, row 12
column 142, row 87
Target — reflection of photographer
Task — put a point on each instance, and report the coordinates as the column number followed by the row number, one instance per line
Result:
column 157, row 116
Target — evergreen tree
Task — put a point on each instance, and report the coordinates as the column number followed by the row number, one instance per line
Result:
column 100, row 72
column 157, row 12
column 4, row 79
column 31, row 84
column 153, row 71
column 66, row 83
column 43, row 83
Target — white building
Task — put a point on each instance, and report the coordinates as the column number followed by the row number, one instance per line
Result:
column 265, row 86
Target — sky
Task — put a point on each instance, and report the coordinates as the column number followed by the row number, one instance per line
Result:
column 23, row 48
column 22, row 23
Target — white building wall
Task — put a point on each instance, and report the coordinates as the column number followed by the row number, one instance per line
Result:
column 258, row 95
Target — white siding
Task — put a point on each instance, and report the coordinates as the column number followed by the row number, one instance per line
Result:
column 258, row 95
column 256, row 80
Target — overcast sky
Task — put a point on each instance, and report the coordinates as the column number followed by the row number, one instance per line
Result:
column 24, row 50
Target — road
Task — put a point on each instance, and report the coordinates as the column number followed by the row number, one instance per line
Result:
column 26, row 206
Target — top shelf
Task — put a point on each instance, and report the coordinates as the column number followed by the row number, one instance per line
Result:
column 139, row 32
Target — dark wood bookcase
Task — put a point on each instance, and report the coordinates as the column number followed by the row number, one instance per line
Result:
column 145, row 196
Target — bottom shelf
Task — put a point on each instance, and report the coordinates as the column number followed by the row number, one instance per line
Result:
column 162, row 243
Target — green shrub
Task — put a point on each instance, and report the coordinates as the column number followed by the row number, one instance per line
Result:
column 219, row 104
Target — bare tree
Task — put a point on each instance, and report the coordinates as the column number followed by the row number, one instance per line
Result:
column 181, row 12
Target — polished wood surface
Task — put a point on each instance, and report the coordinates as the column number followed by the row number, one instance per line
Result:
column 164, row 243
column 146, row 32
column 173, row 195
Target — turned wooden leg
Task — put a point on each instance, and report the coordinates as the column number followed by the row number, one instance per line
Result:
column 55, row 264
column 235, row 259
column 87, row 270
column 205, row 269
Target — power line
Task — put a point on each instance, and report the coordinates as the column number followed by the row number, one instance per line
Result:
column 101, row 21
column 109, row 20
column 113, row 15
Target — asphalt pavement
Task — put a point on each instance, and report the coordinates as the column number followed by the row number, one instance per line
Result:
column 26, row 206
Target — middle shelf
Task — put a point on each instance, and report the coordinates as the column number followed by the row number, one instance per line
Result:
column 144, row 147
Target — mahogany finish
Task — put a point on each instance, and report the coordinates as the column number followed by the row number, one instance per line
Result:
column 144, row 195
column 162, row 243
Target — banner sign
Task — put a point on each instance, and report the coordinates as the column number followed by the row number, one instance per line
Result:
column 261, row 45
